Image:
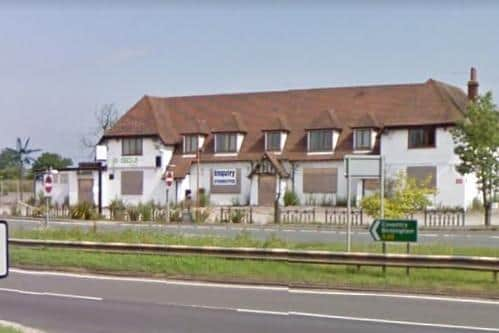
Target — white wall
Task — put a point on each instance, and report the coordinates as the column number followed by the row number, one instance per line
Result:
column 154, row 187
column 394, row 148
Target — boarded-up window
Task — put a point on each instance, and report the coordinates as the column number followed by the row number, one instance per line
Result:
column 132, row 182
column 225, row 180
column 423, row 175
column 371, row 185
column 320, row 180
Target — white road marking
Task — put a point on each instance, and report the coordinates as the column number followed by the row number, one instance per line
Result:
column 495, row 237
column 273, row 313
column 145, row 280
column 37, row 293
column 394, row 322
column 429, row 235
column 388, row 295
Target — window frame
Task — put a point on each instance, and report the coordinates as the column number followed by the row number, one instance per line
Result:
column 137, row 150
column 228, row 136
column 429, row 134
column 268, row 142
column 359, row 132
column 187, row 143
column 328, row 148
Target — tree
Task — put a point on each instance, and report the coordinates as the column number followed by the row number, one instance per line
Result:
column 105, row 118
column 8, row 164
column 477, row 145
column 407, row 198
column 22, row 157
column 51, row 160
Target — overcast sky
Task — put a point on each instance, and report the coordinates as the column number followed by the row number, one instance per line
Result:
column 59, row 62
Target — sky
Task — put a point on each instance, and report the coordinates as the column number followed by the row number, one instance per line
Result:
column 60, row 61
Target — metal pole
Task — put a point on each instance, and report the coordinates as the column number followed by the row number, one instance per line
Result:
column 407, row 269
column 167, row 206
column 47, row 211
column 100, row 188
column 349, row 214
column 382, row 199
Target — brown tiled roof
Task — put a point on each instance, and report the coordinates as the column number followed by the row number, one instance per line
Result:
column 428, row 103
column 196, row 126
column 278, row 123
column 326, row 120
column 367, row 120
column 233, row 124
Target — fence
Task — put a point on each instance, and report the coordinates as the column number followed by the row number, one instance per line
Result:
column 490, row 264
column 444, row 218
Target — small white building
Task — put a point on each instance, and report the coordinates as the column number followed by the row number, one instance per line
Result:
column 248, row 148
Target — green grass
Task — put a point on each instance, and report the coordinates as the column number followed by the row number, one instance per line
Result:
column 244, row 239
column 5, row 329
column 201, row 268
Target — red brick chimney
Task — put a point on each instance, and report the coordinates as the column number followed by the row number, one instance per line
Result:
column 472, row 85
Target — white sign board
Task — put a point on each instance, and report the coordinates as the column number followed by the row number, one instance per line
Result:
column 358, row 166
column 224, row 177
column 4, row 252
column 100, row 153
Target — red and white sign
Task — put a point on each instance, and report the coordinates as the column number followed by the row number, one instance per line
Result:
column 48, row 181
column 169, row 178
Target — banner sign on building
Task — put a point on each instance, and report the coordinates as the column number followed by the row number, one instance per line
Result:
column 224, row 177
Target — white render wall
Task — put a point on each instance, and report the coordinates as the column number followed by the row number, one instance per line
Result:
column 450, row 190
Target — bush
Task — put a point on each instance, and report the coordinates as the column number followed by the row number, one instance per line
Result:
column 117, row 209
column 133, row 213
column 408, row 197
column 201, row 215
column 145, row 211
column 83, row 211
column 291, row 199
column 204, row 199
column 237, row 216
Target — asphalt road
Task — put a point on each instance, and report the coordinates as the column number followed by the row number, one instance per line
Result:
column 58, row 302
column 303, row 235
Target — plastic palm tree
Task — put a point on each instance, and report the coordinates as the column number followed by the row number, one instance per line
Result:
column 22, row 154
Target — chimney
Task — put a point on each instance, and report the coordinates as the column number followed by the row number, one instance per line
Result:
column 472, row 85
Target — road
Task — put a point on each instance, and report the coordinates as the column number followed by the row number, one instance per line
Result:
column 62, row 302
column 301, row 235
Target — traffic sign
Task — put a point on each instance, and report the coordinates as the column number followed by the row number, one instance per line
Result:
column 169, row 178
column 4, row 250
column 394, row 230
column 48, row 183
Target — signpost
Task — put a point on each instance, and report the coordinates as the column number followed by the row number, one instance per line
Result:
column 394, row 230
column 48, row 181
column 169, row 182
column 4, row 250
column 363, row 167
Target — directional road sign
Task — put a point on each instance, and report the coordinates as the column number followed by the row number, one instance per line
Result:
column 4, row 250
column 394, row 230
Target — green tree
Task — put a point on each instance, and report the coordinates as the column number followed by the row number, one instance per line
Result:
column 477, row 145
column 8, row 164
column 22, row 157
column 51, row 160
column 406, row 198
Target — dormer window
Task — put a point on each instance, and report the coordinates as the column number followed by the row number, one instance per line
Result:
column 362, row 139
column 191, row 144
column 273, row 141
column 320, row 140
column 225, row 142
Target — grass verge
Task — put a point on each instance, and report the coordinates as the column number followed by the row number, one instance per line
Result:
column 251, row 271
column 243, row 239
column 6, row 329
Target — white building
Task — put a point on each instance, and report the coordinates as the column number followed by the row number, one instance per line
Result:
column 254, row 146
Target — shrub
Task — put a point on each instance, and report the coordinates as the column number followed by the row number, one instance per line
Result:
column 83, row 211
column 133, row 213
column 145, row 211
column 408, row 197
column 117, row 209
column 291, row 199
column 237, row 216
column 204, row 199
column 201, row 215
column 477, row 205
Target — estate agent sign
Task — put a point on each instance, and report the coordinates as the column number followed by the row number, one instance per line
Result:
column 224, row 177
column 394, row 230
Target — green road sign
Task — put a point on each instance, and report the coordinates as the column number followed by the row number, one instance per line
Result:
column 394, row 230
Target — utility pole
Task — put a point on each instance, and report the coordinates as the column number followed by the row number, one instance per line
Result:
column 198, row 158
